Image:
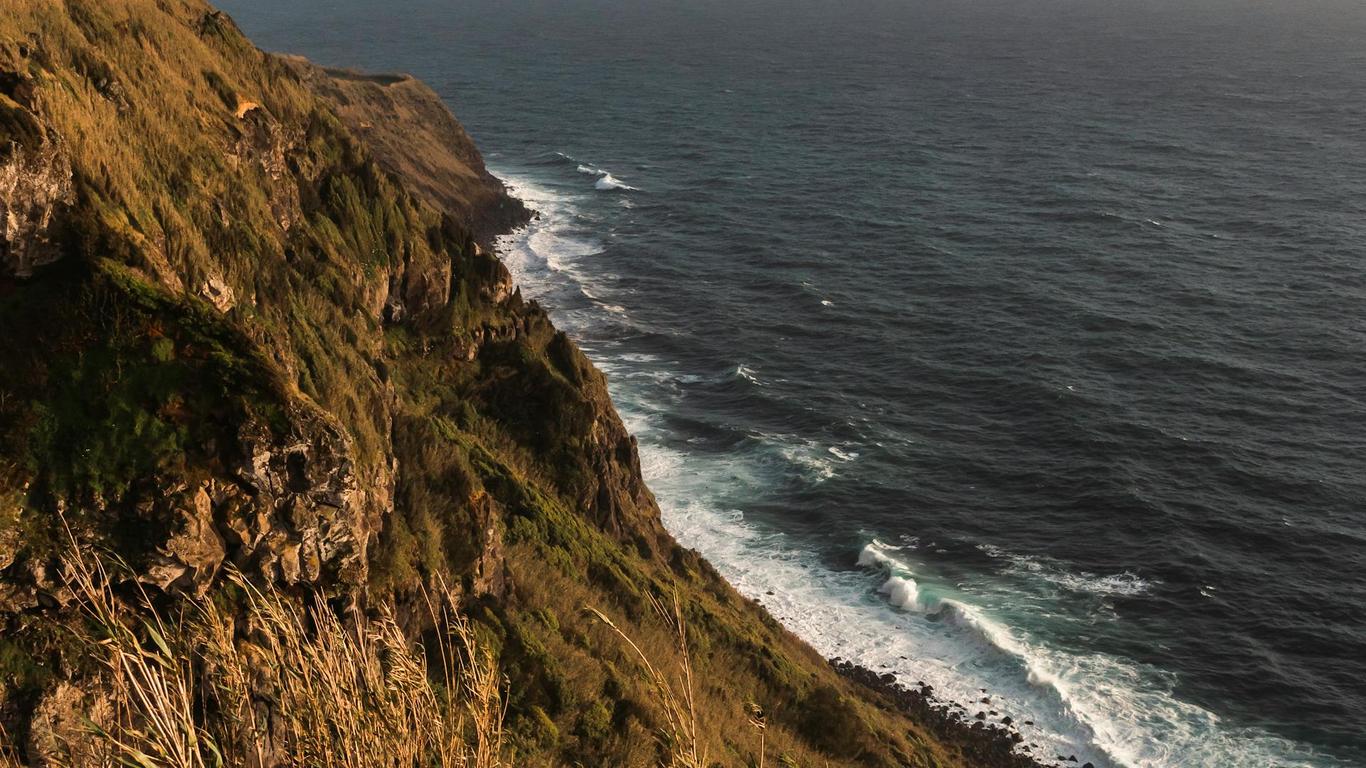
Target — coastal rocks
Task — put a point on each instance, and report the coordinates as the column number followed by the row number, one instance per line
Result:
column 984, row 745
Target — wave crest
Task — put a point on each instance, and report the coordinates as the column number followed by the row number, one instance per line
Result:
column 900, row 587
column 608, row 182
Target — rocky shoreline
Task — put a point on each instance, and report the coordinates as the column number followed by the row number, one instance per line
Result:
column 990, row 740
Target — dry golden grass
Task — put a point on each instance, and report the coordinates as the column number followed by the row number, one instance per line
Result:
column 152, row 687
column 9, row 756
column 290, row 684
column 674, row 692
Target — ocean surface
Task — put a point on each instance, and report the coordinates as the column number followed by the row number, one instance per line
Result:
column 1017, row 346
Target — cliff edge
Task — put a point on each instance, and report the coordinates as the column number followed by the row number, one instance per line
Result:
column 252, row 324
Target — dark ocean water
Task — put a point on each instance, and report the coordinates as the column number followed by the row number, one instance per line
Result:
column 1003, row 345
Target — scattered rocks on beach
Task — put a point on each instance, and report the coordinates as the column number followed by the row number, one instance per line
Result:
column 987, row 745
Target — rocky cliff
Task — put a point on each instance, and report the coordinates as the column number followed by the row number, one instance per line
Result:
column 251, row 320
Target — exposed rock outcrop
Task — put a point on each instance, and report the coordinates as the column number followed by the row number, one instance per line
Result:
column 300, row 513
column 267, row 142
column 35, row 185
column 59, row 734
column 35, row 169
column 192, row 557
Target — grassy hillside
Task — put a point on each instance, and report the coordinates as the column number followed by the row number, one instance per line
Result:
column 249, row 328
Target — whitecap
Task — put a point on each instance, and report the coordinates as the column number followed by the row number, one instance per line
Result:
column 900, row 587
column 1125, row 583
column 842, row 454
column 816, row 467
column 608, row 182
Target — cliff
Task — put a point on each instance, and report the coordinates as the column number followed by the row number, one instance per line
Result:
column 252, row 324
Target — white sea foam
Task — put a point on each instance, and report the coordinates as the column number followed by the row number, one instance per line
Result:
column 842, row 454
column 1125, row 583
column 807, row 457
column 901, row 592
column 900, row 585
column 748, row 374
column 875, row 553
column 608, row 182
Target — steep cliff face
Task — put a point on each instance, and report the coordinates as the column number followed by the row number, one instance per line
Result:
column 249, row 319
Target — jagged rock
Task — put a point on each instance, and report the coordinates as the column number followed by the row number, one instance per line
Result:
column 266, row 142
column 426, row 286
column 310, row 518
column 195, row 553
column 284, row 462
column 35, row 184
column 496, row 285
column 218, row 293
column 489, row 573
column 290, row 570
column 50, row 584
